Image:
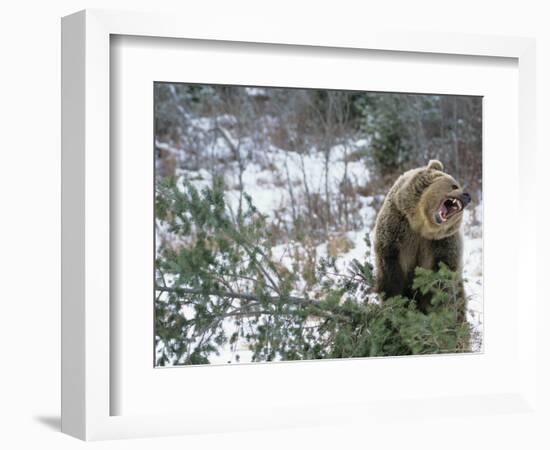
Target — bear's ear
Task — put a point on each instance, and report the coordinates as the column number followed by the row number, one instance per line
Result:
column 435, row 165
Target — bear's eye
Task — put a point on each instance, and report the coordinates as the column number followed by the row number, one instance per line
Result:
column 454, row 187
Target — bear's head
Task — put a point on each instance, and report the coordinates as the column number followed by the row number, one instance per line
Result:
column 432, row 201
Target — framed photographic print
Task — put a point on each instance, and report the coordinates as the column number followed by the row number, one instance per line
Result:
column 252, row 219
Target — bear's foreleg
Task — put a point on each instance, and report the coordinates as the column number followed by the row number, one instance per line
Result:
column 391, row 281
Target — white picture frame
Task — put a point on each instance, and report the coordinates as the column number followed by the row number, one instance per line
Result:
column 87, row 328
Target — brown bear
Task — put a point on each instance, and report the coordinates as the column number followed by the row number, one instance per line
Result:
column 419, row 226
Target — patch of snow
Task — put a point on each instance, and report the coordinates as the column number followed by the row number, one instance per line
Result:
column 473, row 270
column 255, row 92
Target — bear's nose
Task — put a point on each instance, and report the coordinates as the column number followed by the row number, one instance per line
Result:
column 466, row 198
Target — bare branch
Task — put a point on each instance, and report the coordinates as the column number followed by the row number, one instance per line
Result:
column 249, row 297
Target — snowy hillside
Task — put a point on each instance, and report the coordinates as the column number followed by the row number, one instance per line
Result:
column 315, row 166
column 277, row 179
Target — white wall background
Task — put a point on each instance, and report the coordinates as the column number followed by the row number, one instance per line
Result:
column 30, row 202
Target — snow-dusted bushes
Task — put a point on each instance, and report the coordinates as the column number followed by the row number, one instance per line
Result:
column 225, row 272
column 296, row 172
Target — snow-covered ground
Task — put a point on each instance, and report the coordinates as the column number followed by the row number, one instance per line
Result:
column 473, row 270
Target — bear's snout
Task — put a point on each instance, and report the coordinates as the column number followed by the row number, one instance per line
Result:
column 466, row 198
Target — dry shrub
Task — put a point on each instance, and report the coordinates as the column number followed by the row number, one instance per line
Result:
column 365, row 190
column 262, row 182
column 279, row 137
column 338, row 244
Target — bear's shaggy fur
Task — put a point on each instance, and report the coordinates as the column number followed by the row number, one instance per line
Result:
column 419, row 226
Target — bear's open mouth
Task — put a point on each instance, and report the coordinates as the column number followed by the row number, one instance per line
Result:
column 448, row 208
